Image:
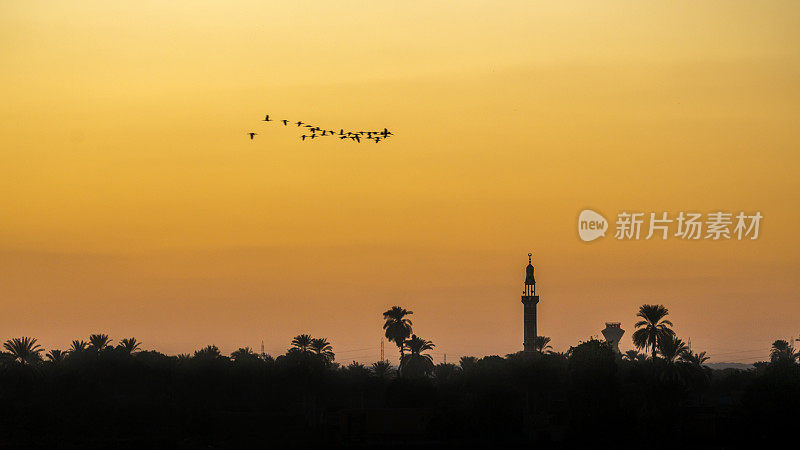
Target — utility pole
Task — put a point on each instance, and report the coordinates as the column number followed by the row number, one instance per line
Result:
column 382, row 350
column 445, row 358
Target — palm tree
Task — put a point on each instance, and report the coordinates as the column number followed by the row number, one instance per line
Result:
column 541, row 343
column 382, row 369
column 695, row 359
column 322, row 347
column 98, row 342
column 632, row 355
column 302, row 342
column 416, row 363
column 445, row 371
column 209, row 352
column 357, row 370
column 77, row 346
column 129, row 345
column 671, row 347
column 24, row 350
column 782, row 351
column 56, row 356
column 397, row 326
column 652, row 328
column 244, row 354
column 467, row 362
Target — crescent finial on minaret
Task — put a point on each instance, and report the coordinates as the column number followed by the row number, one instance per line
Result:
column 529, row 279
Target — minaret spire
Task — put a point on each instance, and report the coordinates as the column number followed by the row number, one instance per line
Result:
column 530, row 280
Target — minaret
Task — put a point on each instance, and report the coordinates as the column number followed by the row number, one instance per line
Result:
column 529, row 299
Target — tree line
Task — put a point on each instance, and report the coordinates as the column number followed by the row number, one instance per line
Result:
column 100, row 393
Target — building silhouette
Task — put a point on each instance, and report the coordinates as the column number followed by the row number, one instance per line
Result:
column 529, row 299
column 613, row 333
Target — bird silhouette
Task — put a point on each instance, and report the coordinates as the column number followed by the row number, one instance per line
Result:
column 316, row 131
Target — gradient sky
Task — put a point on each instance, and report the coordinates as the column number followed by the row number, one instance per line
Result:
column 133, row 203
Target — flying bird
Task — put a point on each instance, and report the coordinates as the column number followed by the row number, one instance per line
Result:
column 316, row 131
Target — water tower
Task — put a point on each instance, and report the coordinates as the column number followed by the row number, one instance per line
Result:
column 613, row 333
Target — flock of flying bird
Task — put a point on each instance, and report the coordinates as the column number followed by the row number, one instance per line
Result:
column 316, row 132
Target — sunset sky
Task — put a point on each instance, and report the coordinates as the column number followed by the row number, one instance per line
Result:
column 132, row 202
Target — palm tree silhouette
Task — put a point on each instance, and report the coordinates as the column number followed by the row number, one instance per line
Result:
column 671, row 347
column 542, row 343
column 652, row 328
column 357, row 370
column 781, row 351
column 244, row 354
column 416, row 363
column 24, row 350
column 99, row 342
column 56, row 356
column 322, row 347
column 129, row 345
column 633, row 355
column 302, row 342
column 209, row 352
column 397, row 326
column 467, row 362
column 695, row 359
column 382, row 369
column 77, row 346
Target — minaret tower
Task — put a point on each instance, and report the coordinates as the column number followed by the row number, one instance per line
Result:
column 530, row 299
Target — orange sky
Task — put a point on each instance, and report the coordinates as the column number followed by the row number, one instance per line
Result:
column 132, row 202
